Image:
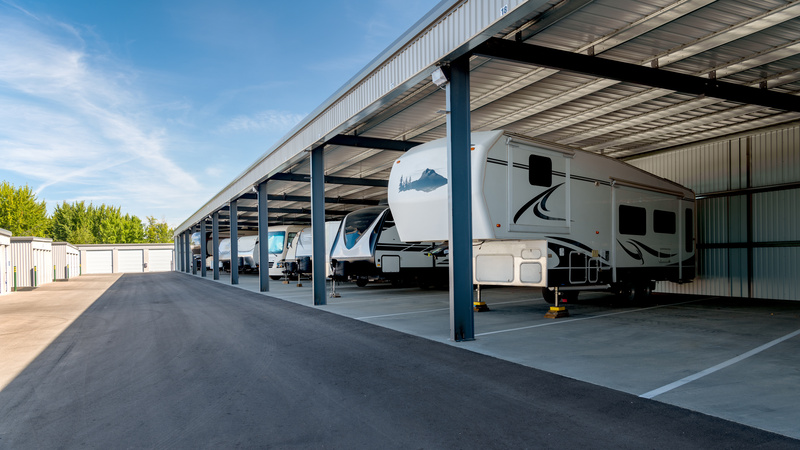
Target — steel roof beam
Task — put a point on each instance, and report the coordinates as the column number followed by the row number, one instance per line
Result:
column 307, row 199
column 370, row 142
column 634, row 73
column 330, row 180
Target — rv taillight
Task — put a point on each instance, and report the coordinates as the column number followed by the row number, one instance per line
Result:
column 498, row 225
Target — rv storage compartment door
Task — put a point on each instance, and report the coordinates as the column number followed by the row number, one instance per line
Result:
column 538, row 189
column 510, row 263
column 390, row 263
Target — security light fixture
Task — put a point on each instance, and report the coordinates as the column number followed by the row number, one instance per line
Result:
column 439, row 77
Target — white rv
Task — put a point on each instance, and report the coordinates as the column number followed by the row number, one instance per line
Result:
column 299, row 255
column 280, row 236
column 367, row 246
column 552, row 216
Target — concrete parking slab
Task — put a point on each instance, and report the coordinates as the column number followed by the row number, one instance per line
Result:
column 637, row 350
column 30, row 321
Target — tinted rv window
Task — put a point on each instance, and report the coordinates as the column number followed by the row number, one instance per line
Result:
column 689, row 231
column 276, row 240
column 356, row 223
column 540, row 171
column 632, row 220
column 664, row 222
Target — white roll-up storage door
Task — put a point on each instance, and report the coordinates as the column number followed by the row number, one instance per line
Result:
column 130, row 261
column 99, row 261
column 160, row 260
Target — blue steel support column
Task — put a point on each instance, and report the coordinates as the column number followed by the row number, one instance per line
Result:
column 203, row 249
column 318, row 224
column 191, row 255
column 462, row 325
column 263, row 238
column 215, row 243
column 187, row 250
column 179, row 253
column 234, row 243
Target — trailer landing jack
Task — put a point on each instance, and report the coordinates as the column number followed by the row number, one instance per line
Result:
column 479, row 305
column 557, row 311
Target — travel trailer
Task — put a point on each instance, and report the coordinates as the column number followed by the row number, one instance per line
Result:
column 552, row 216
column 298, row 257
column 367, row 246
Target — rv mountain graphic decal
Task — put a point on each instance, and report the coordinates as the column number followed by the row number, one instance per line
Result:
column 539, row 204
column 427, row 182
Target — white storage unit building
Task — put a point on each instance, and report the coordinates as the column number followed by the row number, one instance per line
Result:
column 32, row 258
column 67, row 260
column 130, row 260
column 126, row 258
column 161, row 260
column 6, row 281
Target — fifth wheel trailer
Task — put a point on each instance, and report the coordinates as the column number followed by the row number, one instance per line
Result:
column 551, row 216
column 367, row 246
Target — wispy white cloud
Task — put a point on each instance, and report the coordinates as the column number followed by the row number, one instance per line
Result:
column 71, row 116
column 273, row 121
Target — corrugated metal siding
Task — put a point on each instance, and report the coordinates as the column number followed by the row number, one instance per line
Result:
column 776, row 273
column 774, row 157
column 66, row 260
column 776, row 216
column 5, row 266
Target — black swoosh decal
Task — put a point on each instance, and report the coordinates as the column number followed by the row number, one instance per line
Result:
column 544, row 196
column 637, row 255
column 653, row 252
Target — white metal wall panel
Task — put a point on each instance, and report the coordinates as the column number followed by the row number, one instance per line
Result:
column 776, row 216
column 66, row 259
column 776, row 273
column 774, row 159
column 99, row 261
column 33, row 260
column 160, row 260
column 130, row 261
column 5, row 266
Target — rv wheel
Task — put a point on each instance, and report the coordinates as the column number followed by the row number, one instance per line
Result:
column 549, row 296
column 361, row 281
column 627, row 293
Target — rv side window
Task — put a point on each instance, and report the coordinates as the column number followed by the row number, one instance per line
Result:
column 540, row 171
column 664, row 222
column 632, row 220
column 689, row 231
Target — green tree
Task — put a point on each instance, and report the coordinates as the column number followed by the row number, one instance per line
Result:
column 156, row 232
column 21, row 213
column 72, row 223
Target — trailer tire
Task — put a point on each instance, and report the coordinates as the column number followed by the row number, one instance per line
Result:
column 549, row 296
column 361, row 281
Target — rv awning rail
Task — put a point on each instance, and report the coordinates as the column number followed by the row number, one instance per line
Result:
column 633, row 184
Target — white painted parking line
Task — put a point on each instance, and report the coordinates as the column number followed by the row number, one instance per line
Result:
column 428, row 310
column 559, row 322
column 401, row 314
column 720, row 366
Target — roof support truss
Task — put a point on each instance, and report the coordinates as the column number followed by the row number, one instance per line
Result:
column 633, row 73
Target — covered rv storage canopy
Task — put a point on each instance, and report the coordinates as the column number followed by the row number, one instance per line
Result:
column 701, row 92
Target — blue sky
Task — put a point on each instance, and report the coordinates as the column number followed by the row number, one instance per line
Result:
column 154, row 106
